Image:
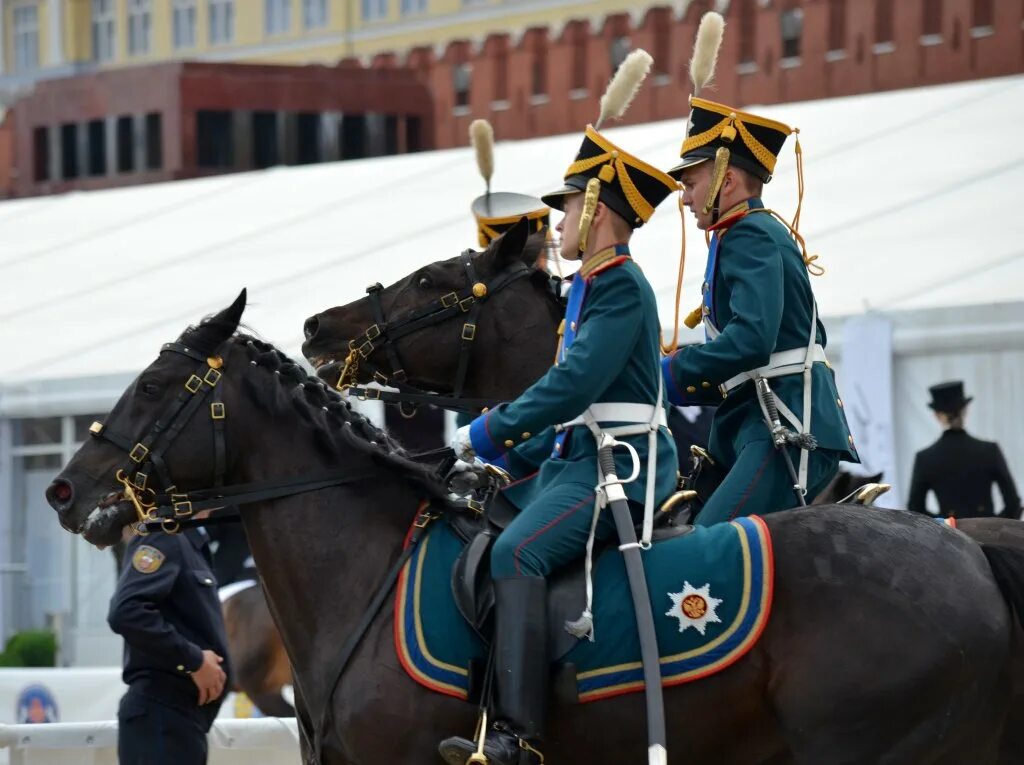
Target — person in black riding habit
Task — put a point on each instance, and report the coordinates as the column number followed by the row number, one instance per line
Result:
column 959, row 468
column 167, row 610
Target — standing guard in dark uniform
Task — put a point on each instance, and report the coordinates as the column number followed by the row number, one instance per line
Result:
column 167, row 610
column 959, row 468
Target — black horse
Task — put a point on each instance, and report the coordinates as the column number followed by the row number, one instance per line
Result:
column 866, row 659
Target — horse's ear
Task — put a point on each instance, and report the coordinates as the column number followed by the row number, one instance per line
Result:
column 513, row 242
column 209, row 335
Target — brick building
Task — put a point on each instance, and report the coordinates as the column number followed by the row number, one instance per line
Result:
column 181, row 120
column 184, row 120
column 548, row 81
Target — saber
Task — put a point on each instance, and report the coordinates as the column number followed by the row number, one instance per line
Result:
column 657, row 754
column 782, row 437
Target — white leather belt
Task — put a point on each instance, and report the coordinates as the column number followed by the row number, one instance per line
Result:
column 780, row 364
column 638, row 414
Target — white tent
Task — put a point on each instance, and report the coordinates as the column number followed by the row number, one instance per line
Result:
column 908, row 204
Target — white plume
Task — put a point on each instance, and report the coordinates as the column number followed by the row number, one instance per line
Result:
column 481, row 135
column 624, row 85
column 705, row 50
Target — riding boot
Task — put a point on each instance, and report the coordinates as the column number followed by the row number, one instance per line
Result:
column 520, row 674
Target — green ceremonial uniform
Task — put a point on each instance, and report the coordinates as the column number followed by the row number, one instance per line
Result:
column 758, row 304
column 613, row 358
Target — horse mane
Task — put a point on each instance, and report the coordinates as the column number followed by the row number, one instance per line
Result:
column 338, row 429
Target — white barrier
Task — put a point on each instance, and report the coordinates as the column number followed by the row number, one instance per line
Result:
column 267, row 741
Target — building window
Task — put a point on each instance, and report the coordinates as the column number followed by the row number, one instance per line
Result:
column 411, row 7
column 792, row 24
column 96, row 132
column 69, row 151
column 264, row 140
column 931, row 18
column 214, row 141
column 662, row 44
column 617, row 52
column 222, row 21
column 836, row 24
column 500, row 60
column 139, row 26
column 154, row 142
column 125, row 140
column 982, row 13
column 539, row 69
column 41, row 154
column 461, row 78
column 375, row 9
column 103, row 30
column 307, row 133
column 184, row 23
column 579, row 57
column 748, row 31
column 26, row 38
column 413, row 134
column 277, row 18
column 314, row 14
column 884, row 21
column 353, row 136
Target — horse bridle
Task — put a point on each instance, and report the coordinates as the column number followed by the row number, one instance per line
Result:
column 171, row 509
column 384, row 334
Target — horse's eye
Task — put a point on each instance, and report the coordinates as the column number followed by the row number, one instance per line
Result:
column 424, row 283
column 151, row 389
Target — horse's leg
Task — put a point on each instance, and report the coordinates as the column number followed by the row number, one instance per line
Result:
column 884, row 654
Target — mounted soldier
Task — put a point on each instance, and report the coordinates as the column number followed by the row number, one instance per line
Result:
column 762, row 325
column 605, row 375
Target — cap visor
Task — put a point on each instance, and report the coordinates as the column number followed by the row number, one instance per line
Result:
column 688, row 162
column 556, row 199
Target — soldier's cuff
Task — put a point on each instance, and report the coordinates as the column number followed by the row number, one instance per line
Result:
column 672, row 391
column 480, row 438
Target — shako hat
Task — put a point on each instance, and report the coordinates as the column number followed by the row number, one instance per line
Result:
column 629, row 187
column 497, row 211
column 753, row 142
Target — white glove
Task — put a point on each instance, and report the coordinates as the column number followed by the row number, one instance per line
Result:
column 466, row 477
column 462, row 445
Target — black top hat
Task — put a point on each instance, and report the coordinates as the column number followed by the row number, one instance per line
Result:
column 754, row 142
column 629, row 186
column 948, row 397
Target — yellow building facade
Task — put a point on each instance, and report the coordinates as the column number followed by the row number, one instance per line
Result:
column 52, row 38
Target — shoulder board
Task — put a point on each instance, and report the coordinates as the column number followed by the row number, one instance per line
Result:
column 613, row 263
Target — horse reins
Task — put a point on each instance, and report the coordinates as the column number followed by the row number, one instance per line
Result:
column 171, row 510
column 384, row 335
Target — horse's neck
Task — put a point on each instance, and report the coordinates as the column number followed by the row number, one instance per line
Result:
column 322, row 555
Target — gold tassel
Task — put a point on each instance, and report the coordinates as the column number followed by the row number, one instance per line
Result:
column 667, row 349
column 694, row 317
column 717, row 178
column 589, row 208
column 799, row 181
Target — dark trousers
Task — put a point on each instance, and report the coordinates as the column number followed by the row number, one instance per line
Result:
column 152, row 733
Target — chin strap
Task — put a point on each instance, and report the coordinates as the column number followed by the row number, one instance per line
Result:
column 713, row 200
column 590, row 199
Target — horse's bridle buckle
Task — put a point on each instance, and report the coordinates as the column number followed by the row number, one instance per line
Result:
column 449, row 300
column 139, row 453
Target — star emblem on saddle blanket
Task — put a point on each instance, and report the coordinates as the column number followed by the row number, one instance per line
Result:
column 694, row 607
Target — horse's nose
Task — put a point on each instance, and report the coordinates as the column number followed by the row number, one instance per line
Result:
column 60, row 494
column 311, row 326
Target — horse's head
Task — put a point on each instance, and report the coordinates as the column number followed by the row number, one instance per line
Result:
column 495, row 309
column 128, row 457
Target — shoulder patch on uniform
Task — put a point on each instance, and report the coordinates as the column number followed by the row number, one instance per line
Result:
column 146, row 560
column 613, row 263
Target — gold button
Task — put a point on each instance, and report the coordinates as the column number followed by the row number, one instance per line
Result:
column 485, row 410
column 181, row 667
column 705, row 384
column 572, row 326
column 850, row 438
column 691, row 389
column 207, row 581
column 840, row 402
column 509, row 443
column 526, row 435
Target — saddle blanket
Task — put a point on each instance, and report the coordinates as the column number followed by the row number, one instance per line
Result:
column 711, row 591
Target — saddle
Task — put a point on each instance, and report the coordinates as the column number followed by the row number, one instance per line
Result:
column 473, row 586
